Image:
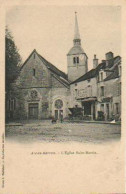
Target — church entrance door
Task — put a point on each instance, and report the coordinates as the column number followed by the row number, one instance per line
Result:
column 33, row 111
column 59, row 114
column 56, row 114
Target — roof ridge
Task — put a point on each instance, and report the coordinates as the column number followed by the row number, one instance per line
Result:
column 55, row 68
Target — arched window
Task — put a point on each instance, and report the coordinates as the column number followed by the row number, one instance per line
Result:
column 74, row 60
column 77, row 59
column 33, row 72
column 58, row 104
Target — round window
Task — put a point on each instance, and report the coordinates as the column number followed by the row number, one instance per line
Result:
column 58, row 104
column 34, row 94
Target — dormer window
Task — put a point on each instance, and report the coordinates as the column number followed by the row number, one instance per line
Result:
column 34, row 72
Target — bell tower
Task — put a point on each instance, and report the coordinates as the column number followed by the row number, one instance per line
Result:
column 77, row 60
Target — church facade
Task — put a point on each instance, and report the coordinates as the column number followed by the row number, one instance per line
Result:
column 42, row 91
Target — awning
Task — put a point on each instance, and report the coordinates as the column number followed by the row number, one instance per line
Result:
column 90, row 99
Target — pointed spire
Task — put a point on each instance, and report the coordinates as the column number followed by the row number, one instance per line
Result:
column 77, row 40
column 76, row 32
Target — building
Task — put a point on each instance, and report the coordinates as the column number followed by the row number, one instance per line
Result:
column 99, row 90
column 77, row 60
column 42, row 91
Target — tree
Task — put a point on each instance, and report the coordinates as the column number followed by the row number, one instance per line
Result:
column 12, row 59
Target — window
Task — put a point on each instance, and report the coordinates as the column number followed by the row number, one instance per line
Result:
column 117, row 108
column 58, row 104
column 102, row 90
column 75, row 93
column 11, row 104
column 89, row 91
column 101, row 76
column 77, row 59
column 33, row 72
column 34, row 94
column 74, row 60
column 102, row 107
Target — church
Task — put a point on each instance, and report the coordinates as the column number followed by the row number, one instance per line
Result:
column 42, row 91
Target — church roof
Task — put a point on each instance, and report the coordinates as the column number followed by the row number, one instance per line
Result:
column 53, row 68
column 77, row 49
column 62, row 76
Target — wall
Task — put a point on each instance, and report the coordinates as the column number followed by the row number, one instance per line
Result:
column 112, row 90
column 41, row 78
column 47, row 86
column 83, row 90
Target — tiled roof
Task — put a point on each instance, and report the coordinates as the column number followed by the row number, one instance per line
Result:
column 113, row 75
column 93, row 72
column 90, row 74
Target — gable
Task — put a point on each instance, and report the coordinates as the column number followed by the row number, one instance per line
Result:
column 34, row 73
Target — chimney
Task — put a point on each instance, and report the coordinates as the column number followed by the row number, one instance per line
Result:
column 103, row 61
column 109, row 55
column 95, row 62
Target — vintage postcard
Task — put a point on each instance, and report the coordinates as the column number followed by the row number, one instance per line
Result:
column 63, row 97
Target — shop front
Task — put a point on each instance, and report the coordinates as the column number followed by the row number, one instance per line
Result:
column 89, row 107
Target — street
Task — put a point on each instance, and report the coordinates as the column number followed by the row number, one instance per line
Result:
column 41, row 131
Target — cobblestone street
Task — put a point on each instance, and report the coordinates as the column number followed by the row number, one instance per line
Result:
column 41, row 131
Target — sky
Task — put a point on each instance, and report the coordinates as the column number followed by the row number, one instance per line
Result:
column 50, row 30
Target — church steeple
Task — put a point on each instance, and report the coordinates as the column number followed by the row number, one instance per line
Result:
column 77, row 40
column 77, row 60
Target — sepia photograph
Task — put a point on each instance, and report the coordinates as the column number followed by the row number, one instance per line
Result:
column 63, row 80
column 63, row 126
